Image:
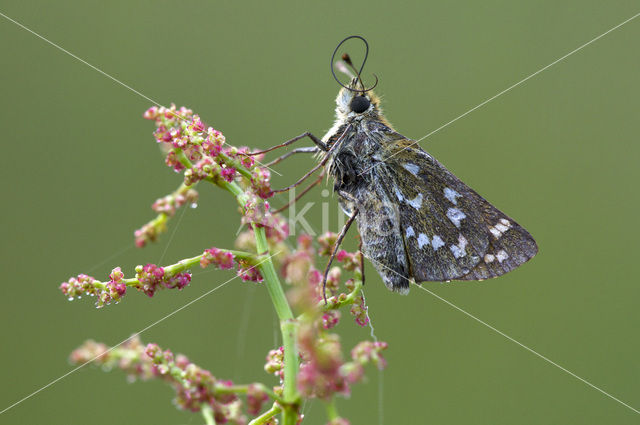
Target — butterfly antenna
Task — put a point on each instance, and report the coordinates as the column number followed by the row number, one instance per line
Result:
column 347, row 60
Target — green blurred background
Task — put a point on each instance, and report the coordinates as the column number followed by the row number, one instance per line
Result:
column 558, row 153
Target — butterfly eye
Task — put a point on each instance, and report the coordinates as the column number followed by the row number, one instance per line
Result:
column 359, row 104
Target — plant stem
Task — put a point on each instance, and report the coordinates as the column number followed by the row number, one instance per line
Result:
column 288, row 327
column 266, row 416
column 207, row 413
column 332, row 411
column 186, row 264
column 271, row 280
column 243, row 389
column 289, row 330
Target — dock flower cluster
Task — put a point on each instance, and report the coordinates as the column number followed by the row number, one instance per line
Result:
column 194, row 386
column 310, row 363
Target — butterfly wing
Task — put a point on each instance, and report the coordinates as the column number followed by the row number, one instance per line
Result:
column 380, row 230
column 449, row 231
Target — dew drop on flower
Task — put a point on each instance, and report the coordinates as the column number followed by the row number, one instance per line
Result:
column 194, row 205
column 70, row 298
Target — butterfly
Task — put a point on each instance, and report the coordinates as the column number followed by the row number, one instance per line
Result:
column 417, row 221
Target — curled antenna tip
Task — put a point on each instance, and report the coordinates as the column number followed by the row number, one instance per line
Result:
column 347, row 59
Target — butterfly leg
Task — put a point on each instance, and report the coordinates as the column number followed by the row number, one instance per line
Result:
column 303, row 178
column 341, row 236
column 319, row 143
column 321, row 164
column 308, row 149
column 301, row 194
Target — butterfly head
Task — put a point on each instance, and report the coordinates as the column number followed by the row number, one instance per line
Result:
column 355, row 102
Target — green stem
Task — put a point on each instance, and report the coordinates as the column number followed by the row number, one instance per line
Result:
column 186, row 264
column 334, row 303
column 244, row 389
column 289, row 330
column 288, row 327
column 183, row 158
column 332, row 410
column 271, row 279
column 231, row 187
column 207, row 413
column 266, row 416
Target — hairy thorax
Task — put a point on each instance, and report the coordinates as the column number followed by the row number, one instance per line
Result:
column 353, row 164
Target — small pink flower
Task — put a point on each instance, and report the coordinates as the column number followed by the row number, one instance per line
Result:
column 80, row 285
column 228, row 173
column 150, row 277
column 369, row 351
column 196, row 125
column 359, row 312
column 248, row 272
column 172, row 161
column 327, row 241
column 330, row 319
column 148, row 233
column 255, row 399
column 151, row 113
column 260, row 182
column 352, row 372
column 275, row 362
column 222, row 259
column 179, row 280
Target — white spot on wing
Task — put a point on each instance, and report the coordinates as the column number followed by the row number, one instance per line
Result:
column 495, row 232
column 501, row 256
column 410, row 232
column 459, row 250
column 436, row 242
column 422, row 240
column 412, row 168
column 451, row 195
column 416, row 202
column 398, row 194
column 489, row 258
column 500, row 227
column 455, row 215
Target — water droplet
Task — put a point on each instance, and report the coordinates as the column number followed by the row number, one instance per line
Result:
column 70, row 298
column 194, row 205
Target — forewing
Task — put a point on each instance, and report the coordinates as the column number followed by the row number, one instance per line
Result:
column 450, row 232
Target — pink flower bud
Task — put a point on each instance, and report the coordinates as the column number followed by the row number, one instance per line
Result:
column 151, row 113
column 222, row 259
column 330, row 319
column 228, row 173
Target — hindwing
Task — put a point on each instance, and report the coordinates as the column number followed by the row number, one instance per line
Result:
column 449, row 231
